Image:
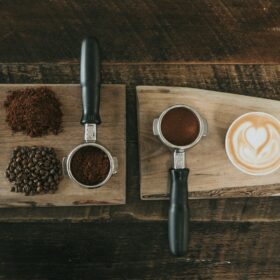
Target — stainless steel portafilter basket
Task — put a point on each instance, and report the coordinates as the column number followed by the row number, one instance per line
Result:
column 178, row 220
column 90, row 85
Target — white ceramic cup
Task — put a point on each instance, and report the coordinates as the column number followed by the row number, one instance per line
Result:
column 253, row 143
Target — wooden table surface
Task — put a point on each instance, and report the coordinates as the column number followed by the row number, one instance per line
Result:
column 230, row 46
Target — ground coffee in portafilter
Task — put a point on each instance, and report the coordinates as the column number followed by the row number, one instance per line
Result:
column 180, row 126
column 90, row 165
column 34, row 170
column 34, row 111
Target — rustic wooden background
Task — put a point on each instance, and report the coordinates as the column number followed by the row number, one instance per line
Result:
column 230, row 46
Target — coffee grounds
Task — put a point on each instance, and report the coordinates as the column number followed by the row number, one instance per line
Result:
column 180, row 126
column 34, row 111
column 90, row 165
column 34, row 170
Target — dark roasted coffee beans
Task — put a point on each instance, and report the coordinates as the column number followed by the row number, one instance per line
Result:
column 34, row 170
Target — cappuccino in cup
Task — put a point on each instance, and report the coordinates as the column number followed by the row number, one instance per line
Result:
column 253, row 143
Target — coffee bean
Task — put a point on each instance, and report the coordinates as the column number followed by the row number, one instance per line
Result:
column 34, row 170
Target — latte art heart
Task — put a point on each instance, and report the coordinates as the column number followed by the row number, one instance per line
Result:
column 253, row 143
column 256, row 137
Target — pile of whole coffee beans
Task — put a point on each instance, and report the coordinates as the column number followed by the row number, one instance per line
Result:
column 34, row 170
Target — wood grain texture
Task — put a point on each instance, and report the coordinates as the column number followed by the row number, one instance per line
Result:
column 133, row 34
column 252, row 80
column 211, row 172
column 143, row 30
column 111, row 134
column 129, row 250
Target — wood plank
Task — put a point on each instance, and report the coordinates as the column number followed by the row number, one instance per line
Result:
column 122, row 250
column 178, row 30
column 251, row 80
column 70, row 194
column 211, row 173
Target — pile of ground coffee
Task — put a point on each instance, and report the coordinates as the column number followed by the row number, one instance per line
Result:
column 34, row 111
column 34, row 170
column 180, row 126
column 90, row 165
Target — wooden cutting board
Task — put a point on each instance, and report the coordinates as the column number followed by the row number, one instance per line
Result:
column 111, row 133
column 211, row 173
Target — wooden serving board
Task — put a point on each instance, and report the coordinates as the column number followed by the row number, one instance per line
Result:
column 211, row 173
column 111, row 133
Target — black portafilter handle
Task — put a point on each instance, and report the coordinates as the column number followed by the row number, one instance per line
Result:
column 178, row 220
column 90, row 81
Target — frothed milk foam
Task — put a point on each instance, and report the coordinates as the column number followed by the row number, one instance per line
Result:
column 253, row 143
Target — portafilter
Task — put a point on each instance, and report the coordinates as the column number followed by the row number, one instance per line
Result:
column 90, row 86
column 179, row 127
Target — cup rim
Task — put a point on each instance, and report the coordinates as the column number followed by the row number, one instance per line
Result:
column 226, row 143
